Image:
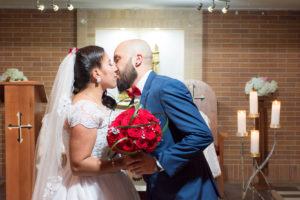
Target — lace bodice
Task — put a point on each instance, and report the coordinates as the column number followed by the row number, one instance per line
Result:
column 91, row 115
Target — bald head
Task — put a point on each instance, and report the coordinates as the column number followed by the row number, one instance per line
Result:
column 135, row 47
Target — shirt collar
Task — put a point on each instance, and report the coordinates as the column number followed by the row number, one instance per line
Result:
column 143, row 80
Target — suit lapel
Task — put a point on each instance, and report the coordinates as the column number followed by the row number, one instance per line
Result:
column 146, row 88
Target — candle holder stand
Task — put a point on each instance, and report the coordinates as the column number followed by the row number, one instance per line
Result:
column 242, row 158
column 258, row 168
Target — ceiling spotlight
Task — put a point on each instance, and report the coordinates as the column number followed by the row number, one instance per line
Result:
column 200, row 6
column 70, row 6
column 225, row 9
column 212, row 7
column 55, row 7
column 39, row 6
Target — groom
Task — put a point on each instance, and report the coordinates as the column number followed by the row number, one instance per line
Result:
column 177, row 169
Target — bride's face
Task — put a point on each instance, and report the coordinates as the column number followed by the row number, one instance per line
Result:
column 109, row 73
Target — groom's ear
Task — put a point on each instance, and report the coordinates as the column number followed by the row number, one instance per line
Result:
column 139, row 60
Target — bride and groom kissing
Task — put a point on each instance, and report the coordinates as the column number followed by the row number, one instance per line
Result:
column 71, row 154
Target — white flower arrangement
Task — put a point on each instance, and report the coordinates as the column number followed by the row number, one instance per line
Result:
column 11, row 75
column 263, row 85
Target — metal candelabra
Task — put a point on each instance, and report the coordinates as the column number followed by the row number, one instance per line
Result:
column 258, row 168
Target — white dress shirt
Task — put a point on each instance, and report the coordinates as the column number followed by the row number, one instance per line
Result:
column 142, row 82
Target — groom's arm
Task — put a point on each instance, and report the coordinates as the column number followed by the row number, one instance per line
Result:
column 183, row 113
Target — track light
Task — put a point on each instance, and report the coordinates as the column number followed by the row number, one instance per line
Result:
column 39, row 6
column 212, row 7
column 55, row 7
column 225, row 9
column 70, row 6
column 200, row 6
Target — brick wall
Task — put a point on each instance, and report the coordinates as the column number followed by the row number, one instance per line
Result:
column 35, row 43
column 239, row 47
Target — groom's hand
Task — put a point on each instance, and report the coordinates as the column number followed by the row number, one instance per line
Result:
column 145, row 164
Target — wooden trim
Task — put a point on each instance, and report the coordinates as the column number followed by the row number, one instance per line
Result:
column 19, row 83
column 40, row 89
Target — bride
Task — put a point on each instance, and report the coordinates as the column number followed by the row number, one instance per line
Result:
column 71, row 154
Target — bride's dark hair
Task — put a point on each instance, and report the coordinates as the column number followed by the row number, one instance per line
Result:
column 88, row 58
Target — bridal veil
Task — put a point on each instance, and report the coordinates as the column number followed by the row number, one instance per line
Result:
column 50, row 148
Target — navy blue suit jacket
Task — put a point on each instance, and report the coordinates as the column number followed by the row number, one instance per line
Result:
column 186, row 173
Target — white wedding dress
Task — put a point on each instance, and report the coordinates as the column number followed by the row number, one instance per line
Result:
column 111, row 186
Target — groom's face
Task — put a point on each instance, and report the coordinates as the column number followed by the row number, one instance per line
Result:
column 127, row 71
column 127, row 77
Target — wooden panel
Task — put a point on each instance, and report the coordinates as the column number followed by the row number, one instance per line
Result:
column 206, row 101
column 19, row 156
column 27, row 98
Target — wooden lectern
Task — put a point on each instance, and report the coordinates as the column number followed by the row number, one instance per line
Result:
column 23, row 116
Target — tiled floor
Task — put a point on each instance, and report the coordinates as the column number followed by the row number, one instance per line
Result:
column 234, row 192
column 291, row 192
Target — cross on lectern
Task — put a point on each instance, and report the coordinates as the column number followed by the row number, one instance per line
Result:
column 19, row 127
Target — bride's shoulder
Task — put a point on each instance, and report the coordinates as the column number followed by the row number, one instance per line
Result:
column 83, row 102
column 85, row 112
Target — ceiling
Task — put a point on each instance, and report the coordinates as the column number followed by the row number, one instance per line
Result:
column 158, row 4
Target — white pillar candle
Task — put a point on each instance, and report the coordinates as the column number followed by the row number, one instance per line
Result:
column 253, row 102
column 254, row 148
column 275, row 113
column 241, row 122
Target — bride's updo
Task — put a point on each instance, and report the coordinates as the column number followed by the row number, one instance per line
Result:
column 88, row 58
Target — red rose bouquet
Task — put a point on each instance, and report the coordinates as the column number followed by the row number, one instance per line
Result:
column 135, row 130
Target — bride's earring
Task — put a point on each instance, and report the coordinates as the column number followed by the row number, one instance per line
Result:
column 98, row 80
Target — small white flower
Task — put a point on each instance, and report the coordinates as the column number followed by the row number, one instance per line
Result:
column 115, row 131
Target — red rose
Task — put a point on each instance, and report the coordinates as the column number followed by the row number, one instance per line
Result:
column 151, row 146
column 134, row 132
column 127, row 145
column 142, row 143
column 150, row 135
